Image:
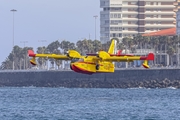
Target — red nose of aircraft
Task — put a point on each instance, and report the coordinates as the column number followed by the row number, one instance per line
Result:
column 75, row 67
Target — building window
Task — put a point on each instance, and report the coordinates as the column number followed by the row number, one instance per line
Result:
column 114, row 34
column 102, row 3
column 115, row 15
column 133, row 3
column 116, row 28
column 115, row 9
column 119, row 15
column 148, row 3
column 115, row 22
column 106, row 21
column 102, row 16
column 106, row 34
column 106, row 28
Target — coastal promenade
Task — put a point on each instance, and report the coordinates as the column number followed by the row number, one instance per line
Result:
column 122, row 78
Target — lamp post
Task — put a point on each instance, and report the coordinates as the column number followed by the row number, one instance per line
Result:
column 42, row 44
column 13, row 10
column 24, row 42
column 95, row 16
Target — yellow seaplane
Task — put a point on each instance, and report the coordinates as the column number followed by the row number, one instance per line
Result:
column 102, row 62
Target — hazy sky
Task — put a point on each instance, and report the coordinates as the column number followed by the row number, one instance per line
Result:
column 50, row 20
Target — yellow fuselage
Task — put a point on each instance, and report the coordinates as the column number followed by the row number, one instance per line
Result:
column 90, row 65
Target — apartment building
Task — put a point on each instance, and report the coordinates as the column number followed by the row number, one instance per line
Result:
column 122, row 18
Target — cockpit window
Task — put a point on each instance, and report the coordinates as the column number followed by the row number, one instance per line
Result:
column 74, row 60
column 81, row 60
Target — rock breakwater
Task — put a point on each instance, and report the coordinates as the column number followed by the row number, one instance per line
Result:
column 151, row 78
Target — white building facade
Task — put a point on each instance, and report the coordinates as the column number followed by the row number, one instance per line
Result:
column 123, row 18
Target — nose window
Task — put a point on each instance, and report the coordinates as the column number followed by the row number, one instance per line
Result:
column 81, row 60
column 74, row 60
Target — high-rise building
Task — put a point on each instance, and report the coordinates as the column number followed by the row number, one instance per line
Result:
column 122, row 18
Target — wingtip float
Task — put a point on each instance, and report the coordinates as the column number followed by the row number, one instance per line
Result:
column 102, row 62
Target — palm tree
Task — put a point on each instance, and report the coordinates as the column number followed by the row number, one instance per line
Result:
column 41, row 61
column 97, row 45
column 139, row 39
column 17, row 51
column 161, row 44
column 19, row 54
column 176, row 45
column 155, row 42
column 146, row 41
column 127, row 41
column 72, row 46
column 79, row 45
column 52, row 46
column 166, row 41
column 171, row 52
column 6, row 65
column 24, row 57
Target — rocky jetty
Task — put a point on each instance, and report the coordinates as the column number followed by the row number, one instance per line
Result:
column 151, row 78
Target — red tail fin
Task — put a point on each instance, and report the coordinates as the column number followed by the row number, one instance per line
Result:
column 31, row 53
column 150, row 56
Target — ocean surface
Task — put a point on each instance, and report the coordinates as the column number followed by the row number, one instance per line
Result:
column 34, row 103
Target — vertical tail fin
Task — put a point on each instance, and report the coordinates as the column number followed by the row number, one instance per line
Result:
column 31, row 53
column 149, row 57
column 112, row 47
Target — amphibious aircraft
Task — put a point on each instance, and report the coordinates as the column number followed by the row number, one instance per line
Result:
column 101, row 62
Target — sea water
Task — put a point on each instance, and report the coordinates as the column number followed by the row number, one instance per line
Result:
column 31, row 103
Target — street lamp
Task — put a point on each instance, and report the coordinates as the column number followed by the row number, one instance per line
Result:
column 42, row 44
column 24, row 42
column 95, row 16
column 13, row 10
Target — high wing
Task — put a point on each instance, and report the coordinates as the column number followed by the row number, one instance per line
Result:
column 55, row 56
column 71, row 54
column 106, row 57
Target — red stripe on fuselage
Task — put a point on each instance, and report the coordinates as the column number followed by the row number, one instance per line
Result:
column 80, row 70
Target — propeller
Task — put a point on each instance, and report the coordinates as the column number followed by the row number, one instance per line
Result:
column 66, row 53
